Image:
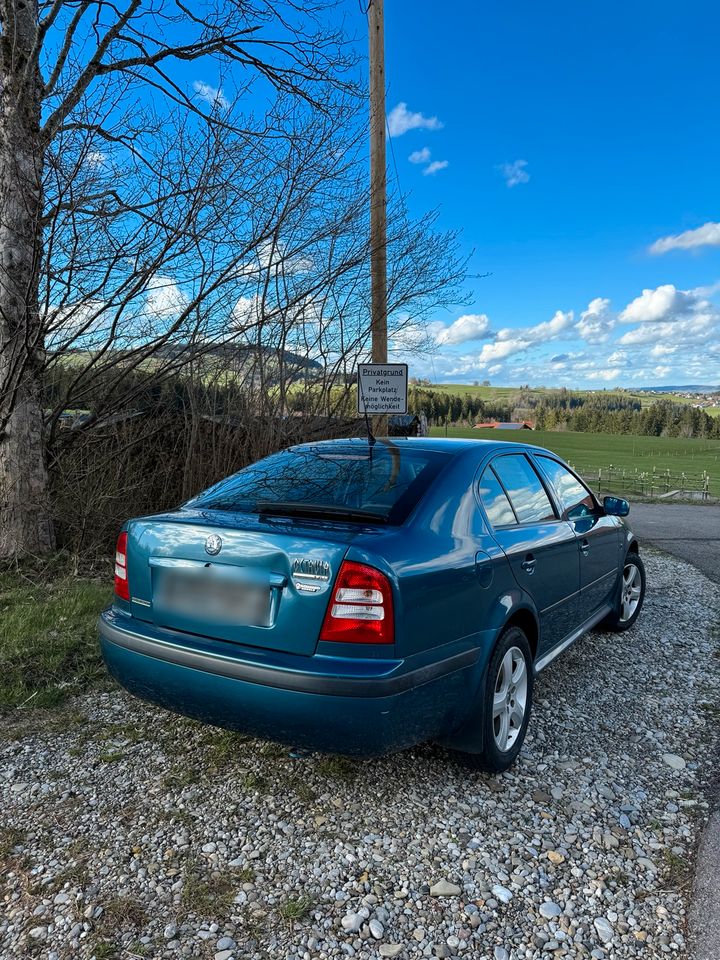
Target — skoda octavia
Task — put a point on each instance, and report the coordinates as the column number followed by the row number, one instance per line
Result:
column 360, row 597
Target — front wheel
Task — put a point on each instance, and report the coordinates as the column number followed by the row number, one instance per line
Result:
column 630, row 596
column 508, row 702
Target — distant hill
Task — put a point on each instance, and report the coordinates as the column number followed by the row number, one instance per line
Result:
column 238, row 352
column 687, row 388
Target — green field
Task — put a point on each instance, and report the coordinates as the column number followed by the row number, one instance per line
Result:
column 590, row 452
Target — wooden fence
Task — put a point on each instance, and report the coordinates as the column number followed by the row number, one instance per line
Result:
column 650, row 483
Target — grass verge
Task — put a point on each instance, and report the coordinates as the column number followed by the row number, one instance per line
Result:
column 48, row 639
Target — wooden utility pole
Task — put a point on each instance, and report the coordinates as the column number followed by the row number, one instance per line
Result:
column 378, row 193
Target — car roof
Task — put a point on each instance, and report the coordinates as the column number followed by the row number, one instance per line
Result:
column 451, row 445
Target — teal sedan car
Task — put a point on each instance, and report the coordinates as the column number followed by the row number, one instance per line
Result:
column 361, row 597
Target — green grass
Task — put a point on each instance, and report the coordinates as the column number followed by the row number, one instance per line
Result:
column 295, row 908
column 123, row 911
column 10, row 837
column 208, row 895
column 48, row 641
column 340, row 769
column 590, row 452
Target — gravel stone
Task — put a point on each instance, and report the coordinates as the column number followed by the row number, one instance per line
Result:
column 377, row 929
column 502, row 893
column 196, row 838
column 390, row 949
column 443, row 888
column 674, row 761
column 604, row 929
column 352, row 922
column 550, row 910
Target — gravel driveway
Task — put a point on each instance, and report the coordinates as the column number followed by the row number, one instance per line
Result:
column 128, row 833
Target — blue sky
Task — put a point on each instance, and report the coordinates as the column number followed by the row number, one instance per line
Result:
column 570, row 141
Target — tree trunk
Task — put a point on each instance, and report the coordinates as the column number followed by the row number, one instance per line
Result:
column 25, row 525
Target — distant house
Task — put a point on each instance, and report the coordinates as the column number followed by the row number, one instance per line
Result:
column 504, row 425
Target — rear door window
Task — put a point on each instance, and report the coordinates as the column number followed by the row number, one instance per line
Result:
column 494, row 499
column 524, row 488
column 576, row 500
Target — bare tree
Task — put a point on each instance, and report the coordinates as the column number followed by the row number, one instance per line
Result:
column 83, row 66
column 150, row 227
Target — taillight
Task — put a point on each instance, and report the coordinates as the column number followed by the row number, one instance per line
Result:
column 361, row 607
column 122, row 586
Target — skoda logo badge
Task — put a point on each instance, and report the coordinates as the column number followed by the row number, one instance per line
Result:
column 213, row 545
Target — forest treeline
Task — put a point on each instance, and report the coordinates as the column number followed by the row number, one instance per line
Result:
column 564, row 409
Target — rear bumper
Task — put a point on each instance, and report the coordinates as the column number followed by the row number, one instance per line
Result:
column 354, row 707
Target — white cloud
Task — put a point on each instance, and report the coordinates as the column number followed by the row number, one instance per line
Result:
column 95, row 159
column 606, row 374
column 596, row 322
column 400, row 120
column 694, row 330
column 471, row 326
column 213, row 96
column 414, row 337
column 434, row 167
column 665, row 334
column 514, row 172
column 662, row 350
column 617, row 359
column 246, row 312
column 85, row 319
column 670, row 318
column 164, row 298
column 706, row 236
column 547, row 330
column 500, row 350
column 420, row 156
column 659, row 304
column 273, row 257
column 508, row 341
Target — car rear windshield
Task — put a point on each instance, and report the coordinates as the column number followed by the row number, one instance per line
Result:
column 358, row 483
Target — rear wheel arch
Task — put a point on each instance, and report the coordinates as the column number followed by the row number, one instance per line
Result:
column 468, row 738
column 527, row 621
column 477, row 741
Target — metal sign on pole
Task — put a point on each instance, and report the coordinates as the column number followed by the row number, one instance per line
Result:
column 382, row 388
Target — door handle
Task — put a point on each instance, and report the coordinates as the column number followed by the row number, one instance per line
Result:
column 528, row 564
column 585, row 546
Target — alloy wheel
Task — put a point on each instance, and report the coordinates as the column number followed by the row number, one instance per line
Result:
column 631, row 591
column 510, row 699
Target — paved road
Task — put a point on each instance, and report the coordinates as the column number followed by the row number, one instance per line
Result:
column 688, row 531
column 692, row 532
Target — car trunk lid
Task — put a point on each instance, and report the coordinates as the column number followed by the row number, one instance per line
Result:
column 247, row 580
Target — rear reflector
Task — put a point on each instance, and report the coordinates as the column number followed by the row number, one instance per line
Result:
column 361, row 607
column 122, row 586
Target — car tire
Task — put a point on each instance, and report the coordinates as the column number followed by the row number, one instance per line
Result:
column 510, row 676
column 630, row 595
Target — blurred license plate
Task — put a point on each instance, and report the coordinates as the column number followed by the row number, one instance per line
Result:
column 207, row 596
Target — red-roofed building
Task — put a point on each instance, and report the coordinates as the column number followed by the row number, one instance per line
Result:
column 505, row 425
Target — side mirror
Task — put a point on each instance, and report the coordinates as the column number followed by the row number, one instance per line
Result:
column 616, row 507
